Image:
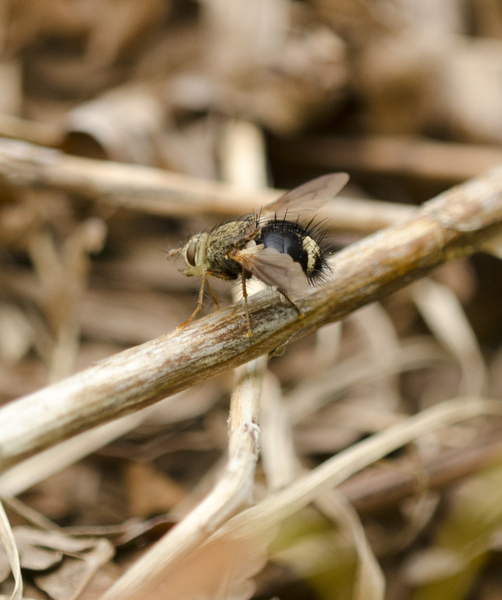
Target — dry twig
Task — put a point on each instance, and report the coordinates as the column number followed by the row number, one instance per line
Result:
column 451, row 226
column 251, row 528
column 166, row 193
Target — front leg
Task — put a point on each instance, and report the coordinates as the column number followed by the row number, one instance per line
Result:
column 199, row 301
column 245, row 296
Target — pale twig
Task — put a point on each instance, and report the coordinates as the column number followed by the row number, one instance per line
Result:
column 166, row 193
column 53, row 460
column 30, row 131
column 232, row 490
column 451, row 226
column 443, row 313
column 380, row 488
column 235, row 483
column 286, row 502
column 9, row 544
column 252, row 528
column 281, row 466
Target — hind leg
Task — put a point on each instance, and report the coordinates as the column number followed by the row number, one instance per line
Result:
column 291, row 301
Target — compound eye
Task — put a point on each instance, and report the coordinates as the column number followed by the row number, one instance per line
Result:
column 191, row 253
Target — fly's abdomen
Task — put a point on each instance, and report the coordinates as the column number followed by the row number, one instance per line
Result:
column 289, row 237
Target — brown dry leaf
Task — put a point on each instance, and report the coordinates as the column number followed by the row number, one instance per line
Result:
column 55, row 540
column 37, row 558
column 67, row 582
column 150, row 491
column 222, row 568
column 79, row 558
column 122, row 125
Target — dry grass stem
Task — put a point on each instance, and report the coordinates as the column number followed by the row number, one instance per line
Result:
column 378, row 488
column 314, row 392
column 242, row 155
column 246, row 535
column 281, row 466
column 167, row 193
column 53, row 460
column 232, row 490
column 451, row 226
column 9, row 543
column 278, row 506
column 443, row 313
column 369, row 579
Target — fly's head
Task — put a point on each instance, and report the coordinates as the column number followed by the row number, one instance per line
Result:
column 194, row 253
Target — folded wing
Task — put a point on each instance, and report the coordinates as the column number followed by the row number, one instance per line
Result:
column 307, row 198
column 272, row 267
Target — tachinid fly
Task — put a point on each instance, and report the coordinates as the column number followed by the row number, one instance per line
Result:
column 272, row 245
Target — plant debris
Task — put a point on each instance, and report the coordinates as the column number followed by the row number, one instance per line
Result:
column 354, row 453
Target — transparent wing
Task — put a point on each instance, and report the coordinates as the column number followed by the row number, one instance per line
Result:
column 307, row 198
column 272, row 267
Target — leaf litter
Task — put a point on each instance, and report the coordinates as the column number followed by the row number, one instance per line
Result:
column 395, row 93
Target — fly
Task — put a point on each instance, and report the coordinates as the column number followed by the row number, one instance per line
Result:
column 272, row 245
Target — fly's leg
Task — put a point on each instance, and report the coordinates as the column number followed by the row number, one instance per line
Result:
column 245, row 296
column 299, row 310
column 199, row 301
column 213, row 296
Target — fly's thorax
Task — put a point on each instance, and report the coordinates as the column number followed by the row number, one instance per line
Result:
column 233, row 235
column 195, row 254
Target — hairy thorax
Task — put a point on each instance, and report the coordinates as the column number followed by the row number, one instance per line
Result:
column 224, row 238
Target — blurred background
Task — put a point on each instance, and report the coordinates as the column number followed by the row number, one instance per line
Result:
column 404, row 95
